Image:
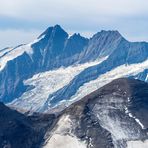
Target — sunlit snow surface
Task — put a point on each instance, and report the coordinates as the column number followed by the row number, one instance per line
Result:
column 11, row 53
column 62, row 137
column 121, row 71
column 64, row 141
column 137, row 144
column 47, row 83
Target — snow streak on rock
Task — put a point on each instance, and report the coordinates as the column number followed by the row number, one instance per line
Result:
column 137, row 144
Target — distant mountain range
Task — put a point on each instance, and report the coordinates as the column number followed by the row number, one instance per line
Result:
column 58, row 69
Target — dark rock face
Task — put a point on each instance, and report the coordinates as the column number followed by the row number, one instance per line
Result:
column 87, row 128
column 111, row 116
column 101, row 44
column 106, row 118
column 21, row 131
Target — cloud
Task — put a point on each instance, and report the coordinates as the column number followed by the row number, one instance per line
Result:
column 12, row 38
column 86, row 16
column 43, row 9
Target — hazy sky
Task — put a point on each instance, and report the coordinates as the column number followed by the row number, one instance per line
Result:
column 21, row 21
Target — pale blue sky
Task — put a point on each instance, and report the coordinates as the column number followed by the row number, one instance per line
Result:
column 21, row 21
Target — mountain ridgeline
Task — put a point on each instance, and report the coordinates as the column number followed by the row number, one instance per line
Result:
column 54, row 49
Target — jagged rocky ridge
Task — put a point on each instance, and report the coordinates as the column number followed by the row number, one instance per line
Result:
column 55, row 49
column 115, row 116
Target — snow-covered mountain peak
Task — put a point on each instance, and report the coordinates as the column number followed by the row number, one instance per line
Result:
column 58, row 30
column 46, row 32
column 114, row 34
column 51, row 31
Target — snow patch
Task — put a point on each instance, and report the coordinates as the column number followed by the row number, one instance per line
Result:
column 70, row 35
column 64, row 141
column 64, row 124
column 62, row 136
column 146, row 78
column 137, row 144
column 128, row 99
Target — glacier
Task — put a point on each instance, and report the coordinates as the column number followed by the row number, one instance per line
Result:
column 46, row 83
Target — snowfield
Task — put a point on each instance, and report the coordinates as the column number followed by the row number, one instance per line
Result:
column 47, row 83
column 62, row 136
column 137, row 144
column 62, row 141
column 9, row 54
column 121, row 71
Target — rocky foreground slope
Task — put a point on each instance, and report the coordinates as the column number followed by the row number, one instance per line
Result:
column 115, row 116
column 22, row 131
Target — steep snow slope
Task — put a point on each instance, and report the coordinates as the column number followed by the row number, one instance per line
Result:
column 46, row 83
column 137, row 144
column 59, row 137
column 11, row 53
column 58, row 141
